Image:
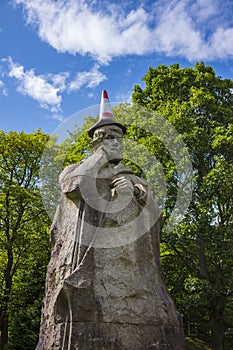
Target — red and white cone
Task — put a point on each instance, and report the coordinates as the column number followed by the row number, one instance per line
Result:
column 105, row 107
column 105, row 116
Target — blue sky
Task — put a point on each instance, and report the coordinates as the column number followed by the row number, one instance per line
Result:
column 56, row 56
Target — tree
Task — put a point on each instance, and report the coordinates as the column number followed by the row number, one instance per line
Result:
column 197, row 255
column 200, row 106
column 23, row 226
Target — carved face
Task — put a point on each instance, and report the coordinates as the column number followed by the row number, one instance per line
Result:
column 108, row 139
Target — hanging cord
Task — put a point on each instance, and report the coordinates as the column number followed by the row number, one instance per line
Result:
column 69, row 319
column 76, row 263
column 93, row 238
column 77, row 238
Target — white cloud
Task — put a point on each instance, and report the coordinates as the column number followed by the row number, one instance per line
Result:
column 176, row 34
column 47, row 89
column 3, row 89
column 126, row 97
column 57, row 116
column 16, row 70
column 222, row 43
column 73, row 27
column 204, row 9
column 59, row 80
column 192, row 29
column 35, row 86
column 38, row 87
column 89, row 79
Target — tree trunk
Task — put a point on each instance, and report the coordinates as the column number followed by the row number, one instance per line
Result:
column 217, row 326
column 4, row 333
column 217, row 332
column 6, row 297
column 203, row 272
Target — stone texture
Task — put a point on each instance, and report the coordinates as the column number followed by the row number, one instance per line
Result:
column 110, row 298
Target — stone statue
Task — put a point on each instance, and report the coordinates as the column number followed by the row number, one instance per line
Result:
column 104, row 285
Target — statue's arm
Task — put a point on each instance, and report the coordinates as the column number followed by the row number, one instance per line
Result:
column 69, row 181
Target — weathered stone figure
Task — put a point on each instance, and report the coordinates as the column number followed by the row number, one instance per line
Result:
column 104, row 286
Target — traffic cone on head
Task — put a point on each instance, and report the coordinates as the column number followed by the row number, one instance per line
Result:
column 105, row 115
column 105, row 107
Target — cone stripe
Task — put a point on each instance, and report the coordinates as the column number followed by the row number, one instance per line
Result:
column 105, row 94
column 107, row 114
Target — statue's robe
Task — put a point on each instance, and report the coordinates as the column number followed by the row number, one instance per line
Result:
column 104, row 285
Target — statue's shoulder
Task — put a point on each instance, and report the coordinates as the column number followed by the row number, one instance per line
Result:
column 70, row 171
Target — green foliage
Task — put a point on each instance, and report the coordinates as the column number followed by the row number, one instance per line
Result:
column 23, row 233
column 78, row 146
column 197, row 256
column 24, row 327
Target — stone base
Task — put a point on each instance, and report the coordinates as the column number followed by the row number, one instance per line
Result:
column 109, row 336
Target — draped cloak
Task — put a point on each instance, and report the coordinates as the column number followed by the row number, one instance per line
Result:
column 104, row 285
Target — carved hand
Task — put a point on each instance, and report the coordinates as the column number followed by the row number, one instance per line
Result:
column 122, row 186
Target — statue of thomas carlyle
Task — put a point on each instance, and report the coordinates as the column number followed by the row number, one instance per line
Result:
column 104, row 285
